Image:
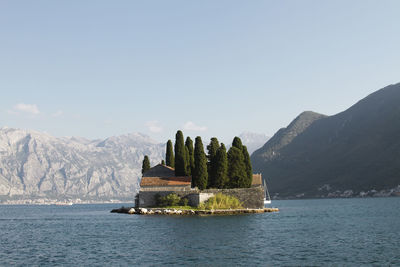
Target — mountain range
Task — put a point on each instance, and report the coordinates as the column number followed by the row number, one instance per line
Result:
column 253, row 141
column 36, row 167
column 353, row 153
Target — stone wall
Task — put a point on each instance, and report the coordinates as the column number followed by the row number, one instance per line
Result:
column 196, row 198
column 252, row 198
column 148, row 198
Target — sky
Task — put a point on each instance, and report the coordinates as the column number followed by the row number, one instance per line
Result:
column 211, row 68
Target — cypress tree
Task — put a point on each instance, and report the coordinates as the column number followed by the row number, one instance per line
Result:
column 237, row 143
column 180, row 155
column 236, row 168
column 187, row 163
column 247, row 164
column 169, row 157
column 189, row 145
column 145, row 164
column 200, row 174
column 211, row 165
column 221, row 168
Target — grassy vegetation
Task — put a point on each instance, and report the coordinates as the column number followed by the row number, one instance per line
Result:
column 220, row 202
column 217, row 202
column 171, row 200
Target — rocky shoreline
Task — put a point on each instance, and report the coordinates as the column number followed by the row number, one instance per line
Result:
column 162, row 211
column 46, row 201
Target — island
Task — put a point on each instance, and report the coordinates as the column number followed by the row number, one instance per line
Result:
column 191, row 182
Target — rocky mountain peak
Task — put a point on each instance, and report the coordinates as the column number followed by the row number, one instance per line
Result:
column 253, row 141
column 285, row 135
column 38, row 165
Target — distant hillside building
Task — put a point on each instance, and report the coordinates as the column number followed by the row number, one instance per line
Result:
column 161, row 180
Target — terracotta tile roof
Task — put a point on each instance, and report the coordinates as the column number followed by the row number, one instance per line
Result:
column 166, row 181
column 257, row 180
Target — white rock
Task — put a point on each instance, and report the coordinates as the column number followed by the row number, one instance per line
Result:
column 169, row 211
column 132, row 211
column 143, row 210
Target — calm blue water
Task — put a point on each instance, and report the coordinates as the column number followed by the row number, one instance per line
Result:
column 305, row 232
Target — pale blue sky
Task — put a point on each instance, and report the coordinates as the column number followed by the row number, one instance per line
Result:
column 102, row 68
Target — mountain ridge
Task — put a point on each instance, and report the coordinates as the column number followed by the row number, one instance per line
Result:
column 253, row 140
column 355, row 150
column 285, row 135
column 38, row 165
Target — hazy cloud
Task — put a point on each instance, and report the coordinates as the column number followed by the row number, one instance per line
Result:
column 26, row 108
column 191, row 126
column 154, row 126
column 57, row 114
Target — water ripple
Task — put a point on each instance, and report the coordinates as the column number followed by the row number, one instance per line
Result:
column 305, row 232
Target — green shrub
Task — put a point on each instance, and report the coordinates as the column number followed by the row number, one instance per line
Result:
column 168, row 200
column 184, row 202
column 221, row 201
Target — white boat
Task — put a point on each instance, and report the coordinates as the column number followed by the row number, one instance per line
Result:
column 64, row 204
column 267, row 198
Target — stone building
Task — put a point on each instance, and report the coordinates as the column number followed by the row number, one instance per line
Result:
column 161, row 181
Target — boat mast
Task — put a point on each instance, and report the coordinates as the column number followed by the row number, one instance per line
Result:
column 266, row 190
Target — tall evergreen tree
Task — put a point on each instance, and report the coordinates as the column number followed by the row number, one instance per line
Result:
column 237, row 143
column 189, row 145
column 211, row 165
column 247, row 163
column 200, row 174
column 169, row 157
column 180, row 155
column 145, row 164
column 187, row 161
column 236, row 168
column 221, row 168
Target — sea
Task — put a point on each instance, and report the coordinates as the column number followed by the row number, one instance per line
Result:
column 318, row 232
